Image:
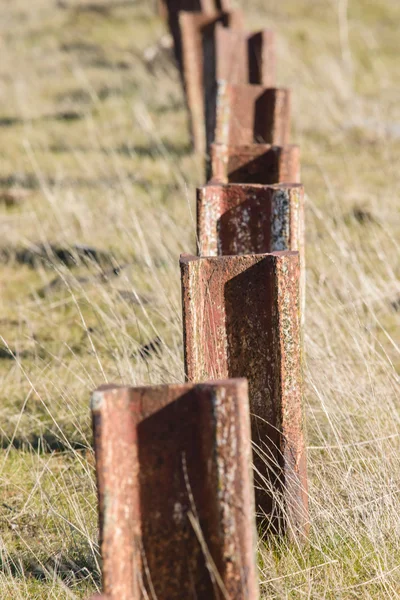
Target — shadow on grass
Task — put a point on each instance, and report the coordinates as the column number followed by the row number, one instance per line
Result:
column 63, row 115
column 50, row 255
column 43, row 444
column 30, row 182
column 97, row 7
column 155, row 149
column 68, row 569
column 173, row 106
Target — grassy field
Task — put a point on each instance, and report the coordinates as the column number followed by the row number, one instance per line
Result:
column 95, row 152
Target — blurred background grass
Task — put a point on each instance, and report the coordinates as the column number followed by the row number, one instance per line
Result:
column 97, row 185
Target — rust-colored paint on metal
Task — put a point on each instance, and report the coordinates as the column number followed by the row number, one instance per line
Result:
column 255, row 163
column 238, row 218
column 197, row 32
column 248, row 114
column 241, row 319
column 176, row 497
column 235, row 56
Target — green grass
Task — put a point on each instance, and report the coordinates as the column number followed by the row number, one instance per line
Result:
column 93, row 128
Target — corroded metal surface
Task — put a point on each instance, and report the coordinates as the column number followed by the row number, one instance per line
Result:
column 235, row 56
column 237, row 219
column 255, row 163
column 250, row 219
column 175, row 491
column 241, row 319
column 197, row 32
column 248, row 114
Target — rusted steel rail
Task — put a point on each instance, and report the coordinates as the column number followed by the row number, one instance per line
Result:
column 197, row 32
column 243, row 57
column 248, row 114
column 255, row 163
column 175, row 487
column 177, row 496
column 241, row 319
column 239, row 57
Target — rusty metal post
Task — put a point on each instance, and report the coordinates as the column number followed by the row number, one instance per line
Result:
column 170, row 9
column 235, row 56
column 248, row 114
column 241, row 319
column 262, row 58
column 197, row 32
column 176, row 497
column 242, row 57
column 255, row 163
column 237, row 219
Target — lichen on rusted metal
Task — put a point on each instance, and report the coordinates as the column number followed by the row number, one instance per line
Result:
column 176, row 497
column 197, row 31
column 235, row 56
column 248, row 114
column 241, row 319
column 255, row 163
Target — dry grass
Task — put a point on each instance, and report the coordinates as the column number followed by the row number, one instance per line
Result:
column 93, row 131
